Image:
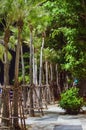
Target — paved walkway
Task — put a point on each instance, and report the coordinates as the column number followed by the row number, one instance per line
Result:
column 55, row 119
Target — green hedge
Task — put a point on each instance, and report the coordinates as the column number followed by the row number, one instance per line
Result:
column 71, row 101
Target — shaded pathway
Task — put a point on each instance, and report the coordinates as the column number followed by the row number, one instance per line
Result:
column 55, row 119
column 68, row 127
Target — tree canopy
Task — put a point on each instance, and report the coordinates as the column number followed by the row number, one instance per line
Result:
column 64, row 23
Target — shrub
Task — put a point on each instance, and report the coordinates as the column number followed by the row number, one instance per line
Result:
column 71, row 101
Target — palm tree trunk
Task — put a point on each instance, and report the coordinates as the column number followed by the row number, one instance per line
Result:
column 23, row 68
column 36, row 82
column 40, row 74
column 33, row 67
column 40, row 69
column 25, row 92
column 6, row 80
column 31, row 111
column 57, row 80
column 51, row 72
column 16, row 83
column 47, row 87
column 46, row 63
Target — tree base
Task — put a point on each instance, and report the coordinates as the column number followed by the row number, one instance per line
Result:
column 71, row 112
column 17, row 128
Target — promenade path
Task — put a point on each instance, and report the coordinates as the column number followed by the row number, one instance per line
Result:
column 55, row 119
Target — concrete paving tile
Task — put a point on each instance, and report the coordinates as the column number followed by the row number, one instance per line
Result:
column 68, row 127
column 55, row 116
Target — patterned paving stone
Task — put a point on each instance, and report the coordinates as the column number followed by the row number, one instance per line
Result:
column 68, row 127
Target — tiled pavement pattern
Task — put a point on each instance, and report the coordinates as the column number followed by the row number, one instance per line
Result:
column 55, row 119
column 68, row 127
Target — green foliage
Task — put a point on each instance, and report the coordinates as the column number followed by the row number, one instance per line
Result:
column 70, row 101
column 2, row 49
column 1, row 52
column 12, row 43
column 64, row 23
column 75, row 58
column 66, row 34
column 27, row 79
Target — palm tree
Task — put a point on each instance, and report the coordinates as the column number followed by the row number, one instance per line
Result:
column 6, row 16
column 6, row 79
column 33, row 20
column 47, row 58
column 15, row 14
column 16, row 82
column 21, row 11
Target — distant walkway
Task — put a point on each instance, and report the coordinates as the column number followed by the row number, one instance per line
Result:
column 55, row 119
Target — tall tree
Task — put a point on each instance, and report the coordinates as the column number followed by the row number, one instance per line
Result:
column 31, row 72
column 16, row 82
column 68, row 35
column 6, row 16
column 33, row 20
